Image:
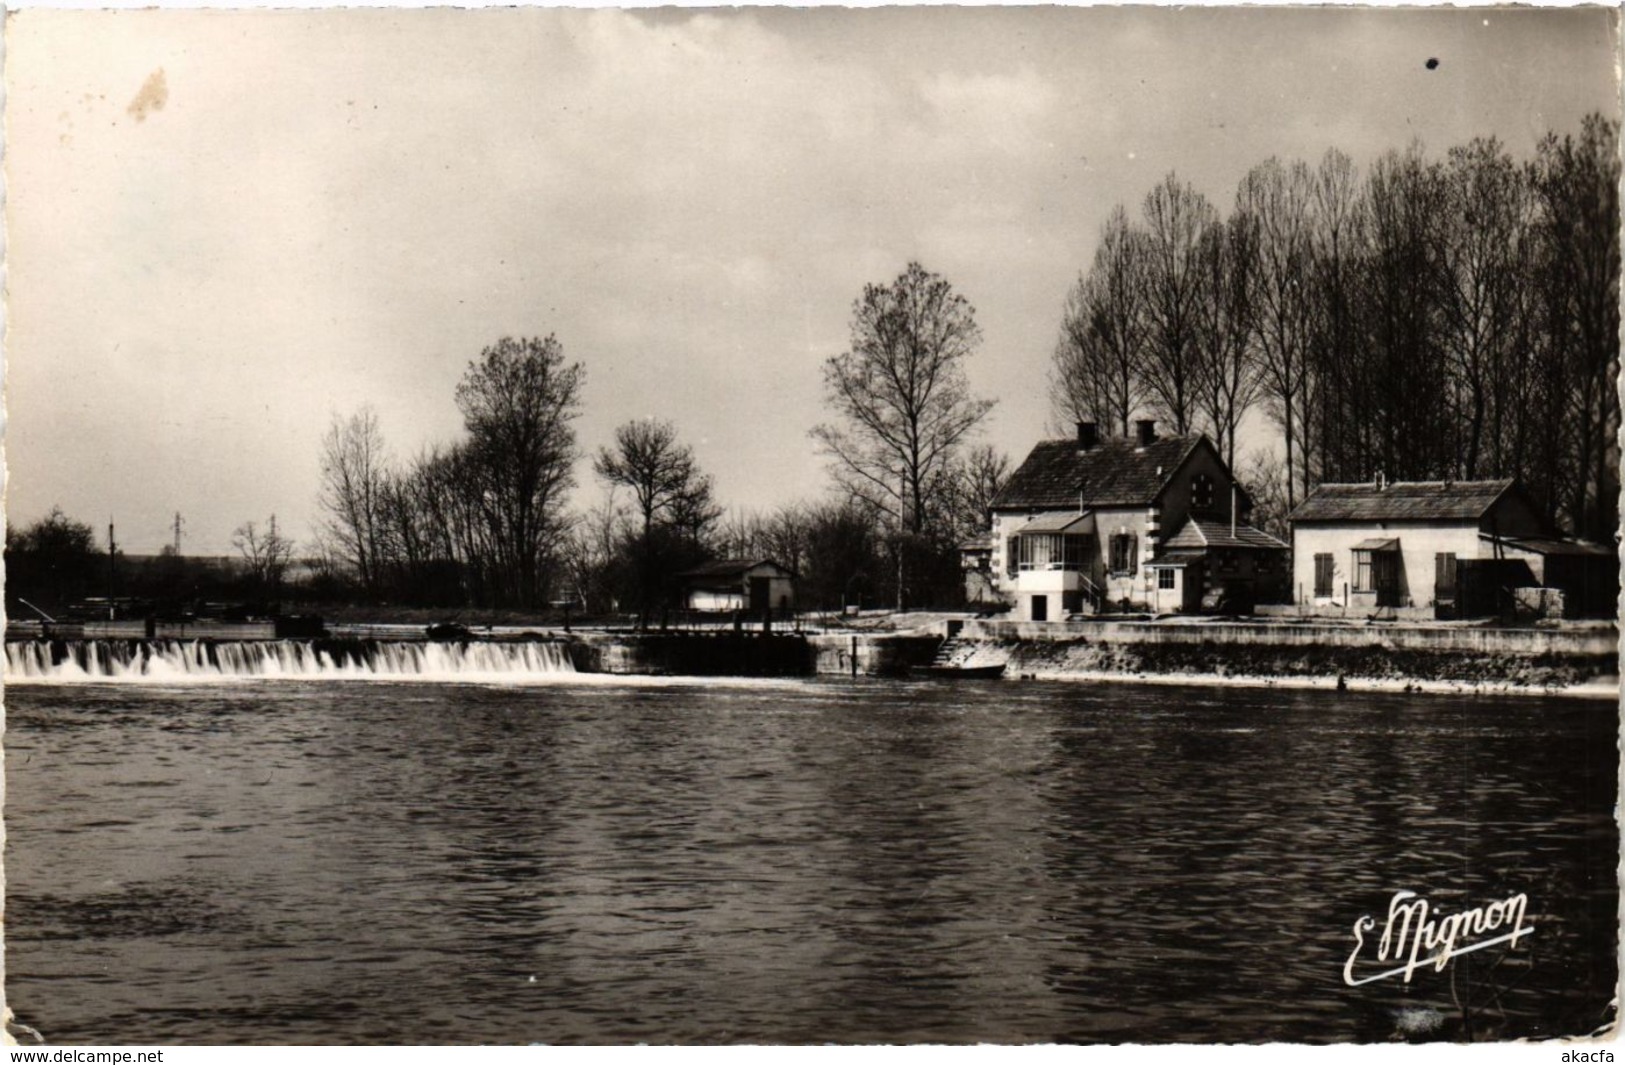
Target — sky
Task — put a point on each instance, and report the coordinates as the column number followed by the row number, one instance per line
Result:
column 227, row 228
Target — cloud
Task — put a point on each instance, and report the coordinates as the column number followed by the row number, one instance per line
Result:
column 344, row 206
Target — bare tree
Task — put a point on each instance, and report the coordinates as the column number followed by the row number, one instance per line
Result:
column 591, row 551
column 1402, row 281
column 977, row 479
column 1576, row 183
column 673, row 499
column 662, row 474
column 266, row 552
column 785, row 536
column 355, row 469
column 1264, row 477
column 1332, row 388
column 900, row 395
column 1226, row 374
column 1274, row 200
column 696, row 511
column 1176, row 215
column 519, row 400
column 1097, row 372
column 1486, row 242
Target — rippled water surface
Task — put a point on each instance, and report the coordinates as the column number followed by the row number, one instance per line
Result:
column 801, row 861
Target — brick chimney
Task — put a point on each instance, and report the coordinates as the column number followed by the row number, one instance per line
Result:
column 1088, row 437
column 1146, row 431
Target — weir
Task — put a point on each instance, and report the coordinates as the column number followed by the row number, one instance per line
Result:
column 43, row 660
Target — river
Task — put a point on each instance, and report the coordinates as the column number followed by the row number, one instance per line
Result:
column 608, row 860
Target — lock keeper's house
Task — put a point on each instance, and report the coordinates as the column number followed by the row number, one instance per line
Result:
column 1091, row 525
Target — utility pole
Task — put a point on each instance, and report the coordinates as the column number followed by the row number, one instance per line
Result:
column 178, row 523
column 902, row 506
column 112, row 566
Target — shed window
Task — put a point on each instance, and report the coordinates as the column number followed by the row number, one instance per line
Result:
column 1362, row 572
column 1165, row 579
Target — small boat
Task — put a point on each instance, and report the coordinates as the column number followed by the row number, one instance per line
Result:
column 959, row 672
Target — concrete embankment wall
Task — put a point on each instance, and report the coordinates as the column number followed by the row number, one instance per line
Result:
column 749, row 654
column 1478, row 656
column 868, row 654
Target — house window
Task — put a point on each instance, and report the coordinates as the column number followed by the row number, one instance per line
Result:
column 1323, row 576
column 1444, row 574
column 1227, row 561
column 1165, row 580
column 1123, row 554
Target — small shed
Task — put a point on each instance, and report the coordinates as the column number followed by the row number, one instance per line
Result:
column 1586, row 573
column 976, row 560
column 756, row 585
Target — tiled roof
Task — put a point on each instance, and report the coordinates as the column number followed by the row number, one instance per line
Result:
column 1064, row 521
column 1402, row 501
column 1113, row 473
column 1200, row 533
column 730, row 567
column 1176, row 558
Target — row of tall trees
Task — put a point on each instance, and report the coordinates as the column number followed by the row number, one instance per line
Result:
column 1452, row 318
column 55, row 563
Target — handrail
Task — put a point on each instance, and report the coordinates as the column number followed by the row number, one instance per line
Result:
column 36, row 610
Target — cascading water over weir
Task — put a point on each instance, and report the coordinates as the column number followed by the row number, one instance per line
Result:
column 93, row 660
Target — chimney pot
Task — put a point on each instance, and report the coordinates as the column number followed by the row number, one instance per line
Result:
column 1088, row 437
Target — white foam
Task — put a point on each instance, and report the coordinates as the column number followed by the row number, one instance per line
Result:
column 189, row 662
column 174, row 660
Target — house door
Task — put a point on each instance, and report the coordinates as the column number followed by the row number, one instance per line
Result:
column 761, row 595
column 1385, row 577
column 1040, row 608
